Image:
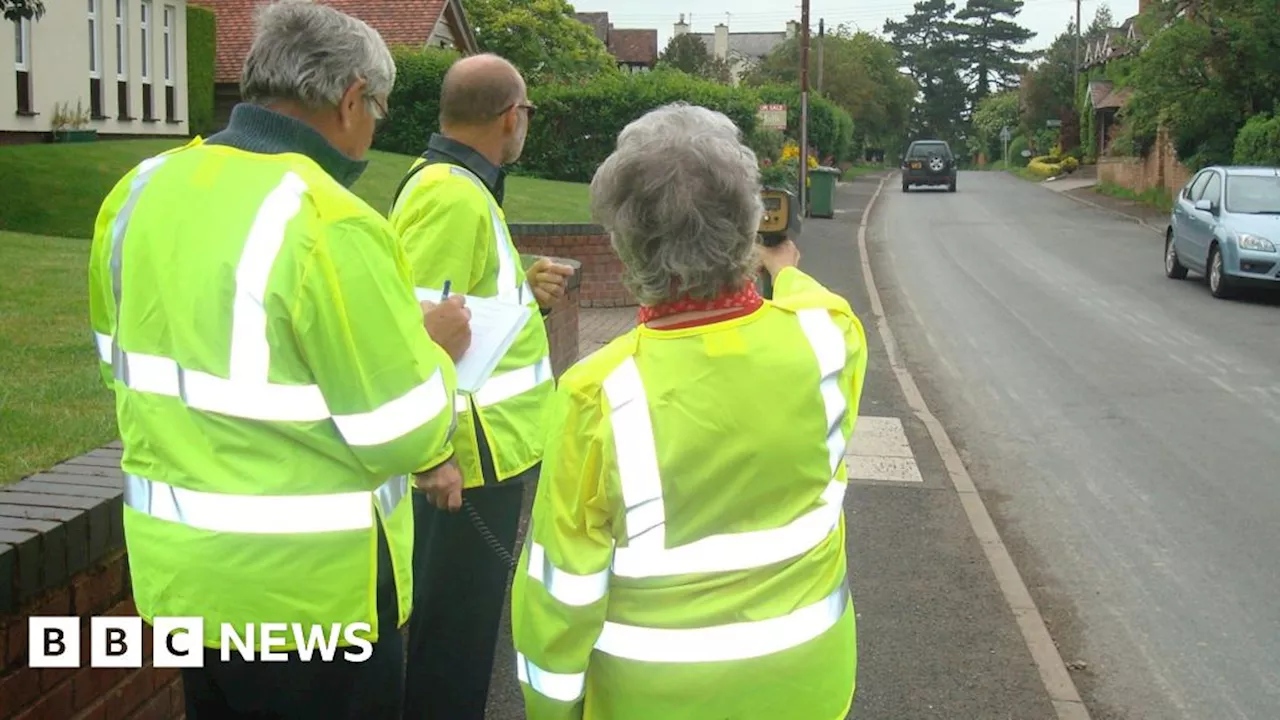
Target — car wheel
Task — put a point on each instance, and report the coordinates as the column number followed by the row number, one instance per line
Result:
column 952, row 186
column 905, row 187
column 1219, row 280
column 1173, row 268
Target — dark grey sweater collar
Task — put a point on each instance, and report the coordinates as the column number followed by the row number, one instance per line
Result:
column 256, row 129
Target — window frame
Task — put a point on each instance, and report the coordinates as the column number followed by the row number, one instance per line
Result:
column 122, row 40
column 170, row 45
column 22, row 45
column 144, row 34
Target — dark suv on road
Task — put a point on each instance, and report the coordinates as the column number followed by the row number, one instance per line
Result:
column 929, row 162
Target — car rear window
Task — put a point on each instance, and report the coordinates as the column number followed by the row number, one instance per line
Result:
column 920, row 150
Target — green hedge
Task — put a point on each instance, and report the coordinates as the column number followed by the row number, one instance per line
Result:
column 1258, row 142
column 830, row 126
column 577, row 126
column 414, row 105
column 202, row 39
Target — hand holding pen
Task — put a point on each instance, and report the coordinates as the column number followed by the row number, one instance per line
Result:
column 448, row 323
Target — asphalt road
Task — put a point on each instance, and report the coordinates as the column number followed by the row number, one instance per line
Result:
column 936, row 640
column 1124, row 429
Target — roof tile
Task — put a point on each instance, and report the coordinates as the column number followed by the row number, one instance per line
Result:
column 634, row 46
column 400, row 22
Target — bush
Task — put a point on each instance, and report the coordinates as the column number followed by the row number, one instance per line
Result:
column 1258, row 142
column 1044, row 167
column 1070, row 164
column 577, row 126
column 202, row 30
column 766, row 144
column 1016, row 147
column 414, row 105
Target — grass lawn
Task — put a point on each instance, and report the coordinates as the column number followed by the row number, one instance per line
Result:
column 53, row 404
column 56, row 189
column 1157, row 198
column 858, row 171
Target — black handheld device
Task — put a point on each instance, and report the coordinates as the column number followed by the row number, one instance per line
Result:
column 781, row 221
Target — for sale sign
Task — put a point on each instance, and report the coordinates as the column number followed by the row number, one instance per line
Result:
column 773, row 117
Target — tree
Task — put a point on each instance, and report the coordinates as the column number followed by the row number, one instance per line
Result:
column 993, row 114
column 1048, row 90
column 990, row 42
column 22, row 9
column 1204, row 74
column 927, row 41
column 860, row 73
column 688, row 54
column 541, row 37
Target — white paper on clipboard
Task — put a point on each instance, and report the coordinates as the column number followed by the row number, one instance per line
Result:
column 495, row 325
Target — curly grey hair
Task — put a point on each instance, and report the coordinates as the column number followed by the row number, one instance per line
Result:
column 310, row 53
column 680, row 197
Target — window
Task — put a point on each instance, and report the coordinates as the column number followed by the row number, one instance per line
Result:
column 144, row 28
column 1213, row 191
column 170, row 64
column 95, row 61
column 22, row 64
column 122, row 61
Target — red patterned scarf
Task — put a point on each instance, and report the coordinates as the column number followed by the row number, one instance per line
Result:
column 735, row 303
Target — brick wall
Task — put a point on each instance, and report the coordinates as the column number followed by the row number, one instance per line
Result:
column 589, row 245
column 1159, row 169
column 62, row 553
column 562, row 323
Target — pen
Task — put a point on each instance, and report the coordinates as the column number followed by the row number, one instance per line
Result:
column 444, row 294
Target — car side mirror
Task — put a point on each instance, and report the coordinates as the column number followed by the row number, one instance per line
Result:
column 1206, row 206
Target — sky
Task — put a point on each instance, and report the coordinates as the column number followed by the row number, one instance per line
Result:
column 1047, row 18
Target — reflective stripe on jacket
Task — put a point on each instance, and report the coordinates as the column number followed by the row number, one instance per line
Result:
column 686, row 555
column 453, row 230
column 274, row 388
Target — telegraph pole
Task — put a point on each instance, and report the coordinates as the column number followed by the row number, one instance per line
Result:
column 1076, row 99
column 821, row 34
column 804, row 107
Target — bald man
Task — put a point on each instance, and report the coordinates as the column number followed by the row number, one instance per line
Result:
column 448, row 212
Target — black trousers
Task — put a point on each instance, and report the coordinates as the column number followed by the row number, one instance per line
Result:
column 293, row 690
column 459, row 587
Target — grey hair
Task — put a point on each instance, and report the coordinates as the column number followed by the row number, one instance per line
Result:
column 680, row 197
column 310, row 53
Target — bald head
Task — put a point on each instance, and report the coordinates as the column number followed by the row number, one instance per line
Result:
column 477, row 89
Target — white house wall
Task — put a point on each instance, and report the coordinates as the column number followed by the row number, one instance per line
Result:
column 59, row 67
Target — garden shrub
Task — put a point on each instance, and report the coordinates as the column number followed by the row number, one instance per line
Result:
column 1258, row 142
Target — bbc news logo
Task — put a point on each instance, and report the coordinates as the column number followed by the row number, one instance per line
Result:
column 116, row 642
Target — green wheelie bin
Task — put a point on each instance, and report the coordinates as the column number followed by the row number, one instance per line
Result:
column 822, row 191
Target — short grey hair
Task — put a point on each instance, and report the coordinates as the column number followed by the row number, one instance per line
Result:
column 680, row 197
column 310, row 53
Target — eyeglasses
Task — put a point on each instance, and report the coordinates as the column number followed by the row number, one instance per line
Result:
column 379, row 109
column 529, row 108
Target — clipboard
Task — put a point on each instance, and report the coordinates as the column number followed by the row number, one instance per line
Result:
column 495, row 325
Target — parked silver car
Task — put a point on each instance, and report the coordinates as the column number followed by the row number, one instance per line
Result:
column 1225, row 225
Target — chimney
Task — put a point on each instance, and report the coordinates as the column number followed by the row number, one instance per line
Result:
column 793, row 29
column 721, row 47
column 681, row 27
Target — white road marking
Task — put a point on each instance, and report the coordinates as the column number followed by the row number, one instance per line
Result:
column 880, row 451
column 1044, row 652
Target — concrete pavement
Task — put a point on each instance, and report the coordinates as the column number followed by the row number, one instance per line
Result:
column 936, row 637
column 1124, row 427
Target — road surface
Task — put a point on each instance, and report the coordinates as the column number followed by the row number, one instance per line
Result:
column 1124, row 428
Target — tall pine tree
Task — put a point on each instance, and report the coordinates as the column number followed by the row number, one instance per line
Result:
column 927, row 40
column 991, row 44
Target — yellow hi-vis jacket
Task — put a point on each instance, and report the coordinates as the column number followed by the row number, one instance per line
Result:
column 274, row 388
column 453, row 230
column 686, row 555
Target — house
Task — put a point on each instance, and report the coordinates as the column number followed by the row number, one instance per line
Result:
column 742, row 50
column 1106, row 101
column 1115, row 43
column 414, row 23
column 636, row 50
column 122, row 62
